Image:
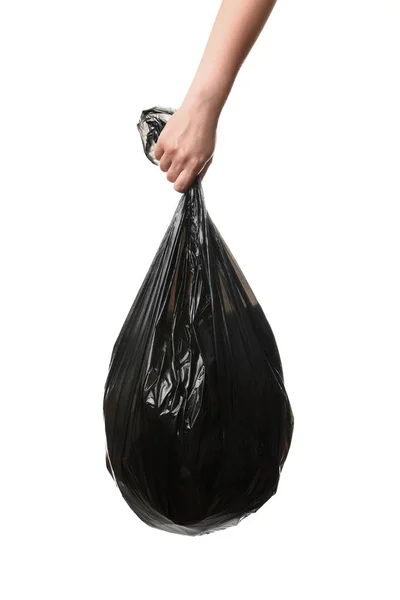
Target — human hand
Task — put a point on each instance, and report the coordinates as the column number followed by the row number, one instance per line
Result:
column 186, row 144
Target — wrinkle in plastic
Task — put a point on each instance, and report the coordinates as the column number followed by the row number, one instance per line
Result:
column 197, row 419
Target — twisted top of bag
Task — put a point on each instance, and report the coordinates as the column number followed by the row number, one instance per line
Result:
column 150, row 125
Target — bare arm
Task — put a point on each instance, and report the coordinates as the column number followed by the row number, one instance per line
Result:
column 187, row 142
column 235, row 30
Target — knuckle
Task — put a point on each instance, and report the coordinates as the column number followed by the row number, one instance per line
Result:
column 181, row 156
column 168, row 150
column 168, row 153
column 171, row 177
column 199, row 160
column 164, row 165
column 194, row 163
column 172, row 147
column 179, row 187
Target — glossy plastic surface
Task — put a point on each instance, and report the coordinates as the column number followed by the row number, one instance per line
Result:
column 198, row 423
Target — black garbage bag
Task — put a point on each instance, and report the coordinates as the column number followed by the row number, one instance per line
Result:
column 197, row 420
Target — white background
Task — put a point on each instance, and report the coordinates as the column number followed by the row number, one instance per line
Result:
column 304, row 188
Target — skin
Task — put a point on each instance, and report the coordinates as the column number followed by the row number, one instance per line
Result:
column 186, row 145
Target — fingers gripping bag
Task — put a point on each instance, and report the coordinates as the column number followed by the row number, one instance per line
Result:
column 198, row 423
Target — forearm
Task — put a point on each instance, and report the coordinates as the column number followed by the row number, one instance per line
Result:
column 235, row 30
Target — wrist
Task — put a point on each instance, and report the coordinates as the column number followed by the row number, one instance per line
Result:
column 204, row 100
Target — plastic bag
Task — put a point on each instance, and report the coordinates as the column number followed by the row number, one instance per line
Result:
column 198, row 423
